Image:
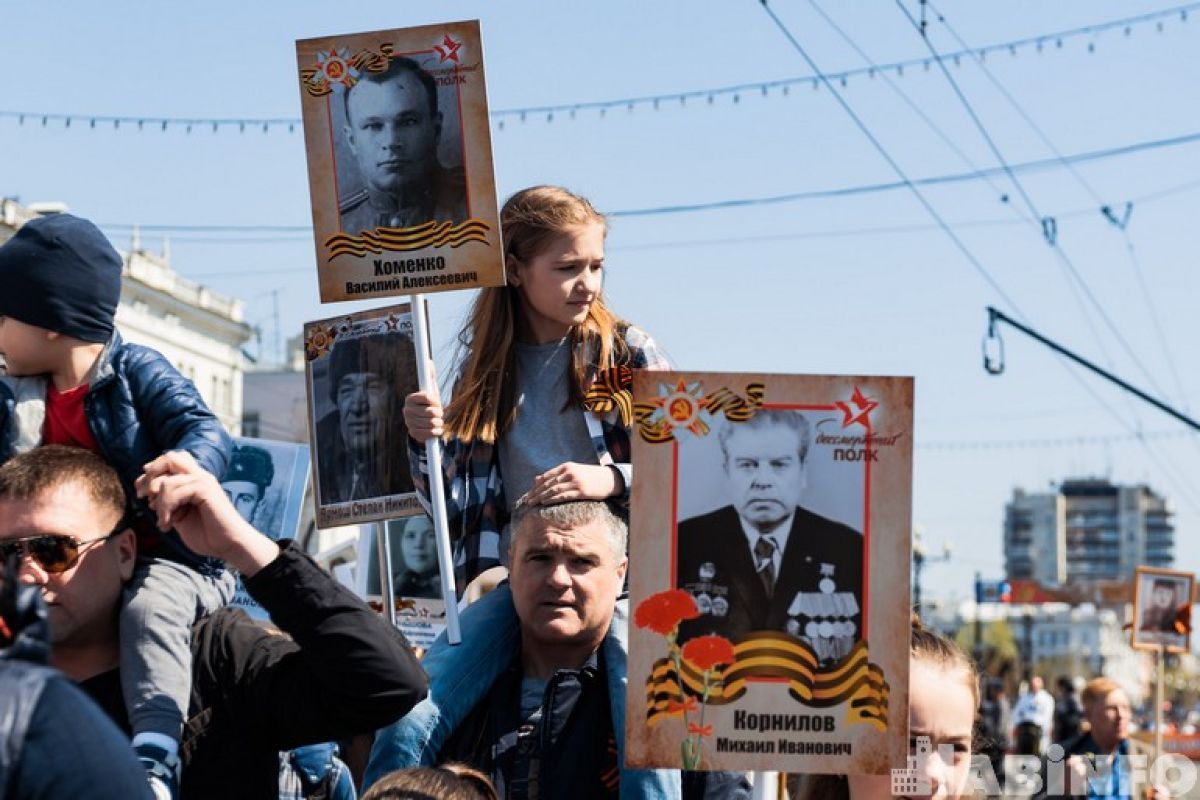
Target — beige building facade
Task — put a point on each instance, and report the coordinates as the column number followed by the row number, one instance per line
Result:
column 200, row 331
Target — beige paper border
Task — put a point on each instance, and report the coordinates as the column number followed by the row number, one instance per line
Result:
column 887, row 591
column 370, row 509
column 1136, row 631
column 470, row 265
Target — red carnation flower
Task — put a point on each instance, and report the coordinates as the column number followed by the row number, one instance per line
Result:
column 706, row 652
column 663, row 611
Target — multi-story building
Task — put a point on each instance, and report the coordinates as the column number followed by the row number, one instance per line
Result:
column 199, row 331
column 275, row 402
column 1061, row 639
column 1087, row 531
column 1034, row 538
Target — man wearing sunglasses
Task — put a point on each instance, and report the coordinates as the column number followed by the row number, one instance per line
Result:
column 45, row 720
column 342, row 671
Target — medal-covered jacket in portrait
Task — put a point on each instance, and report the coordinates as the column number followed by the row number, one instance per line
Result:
column 817, row 596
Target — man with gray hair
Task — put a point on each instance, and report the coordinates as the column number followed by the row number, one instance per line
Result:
column 765, row 563
column 542, row 712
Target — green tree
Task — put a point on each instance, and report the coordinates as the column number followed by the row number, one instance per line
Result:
column 1000, row 653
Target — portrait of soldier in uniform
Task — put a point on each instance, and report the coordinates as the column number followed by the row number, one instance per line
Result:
column 1161, row 600
column 251, row 470
column 266, row 482
column 764, row 562
column 1162, row 605
column 360, row 442
column 393, row 126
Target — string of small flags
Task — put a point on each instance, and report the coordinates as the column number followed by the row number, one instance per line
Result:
column 702, row 97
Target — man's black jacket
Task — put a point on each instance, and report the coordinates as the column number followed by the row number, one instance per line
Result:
column 343, row 671
column 571, row 753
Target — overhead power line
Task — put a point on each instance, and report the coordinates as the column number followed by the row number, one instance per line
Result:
column 1049, row 232
column 883, row 152
column 1039, row 165
column 1046, row 442
column 686, row 98
column 996, row 368
column 945, row 138
column 302, row 234
column 817, row 78
column 1121, row 225
column 958, row 243
column 1048, row 225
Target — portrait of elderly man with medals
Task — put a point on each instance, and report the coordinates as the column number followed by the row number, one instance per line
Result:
column 764, row 562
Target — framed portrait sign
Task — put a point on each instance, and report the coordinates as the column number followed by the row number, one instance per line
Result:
column 1162, row 609
column 420, row 610
column 359, row 368
column 769, row 572
column 267, row 482
column 400, row 166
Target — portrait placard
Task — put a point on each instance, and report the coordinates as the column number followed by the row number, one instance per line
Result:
column 769, row 572
column 1162, row 609
column 266, row 481
column 359, row 369
column 420, row 610
column 400, row 167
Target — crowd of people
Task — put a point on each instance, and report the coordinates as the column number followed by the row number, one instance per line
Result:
column 123, row 674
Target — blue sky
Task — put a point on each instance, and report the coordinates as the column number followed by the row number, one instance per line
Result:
column 861, row 284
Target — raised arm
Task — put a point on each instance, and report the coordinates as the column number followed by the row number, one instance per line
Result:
column 340, row 670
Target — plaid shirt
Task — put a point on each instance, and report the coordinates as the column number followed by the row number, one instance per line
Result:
column 476, row 507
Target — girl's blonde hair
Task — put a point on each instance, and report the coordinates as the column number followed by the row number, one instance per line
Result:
column 932, row 648
column 484, row 403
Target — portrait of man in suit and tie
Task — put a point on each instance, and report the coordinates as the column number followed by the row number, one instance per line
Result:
column 764, row 562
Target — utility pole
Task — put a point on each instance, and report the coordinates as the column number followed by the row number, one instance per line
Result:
column 978, row 649
column 919, row 560
column 1027, row 644
column 994, row 364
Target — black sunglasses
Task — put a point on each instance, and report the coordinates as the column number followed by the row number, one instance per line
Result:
column 56, row 552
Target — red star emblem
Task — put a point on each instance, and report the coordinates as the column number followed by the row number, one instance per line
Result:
column 447, row 50
column 857, row 410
